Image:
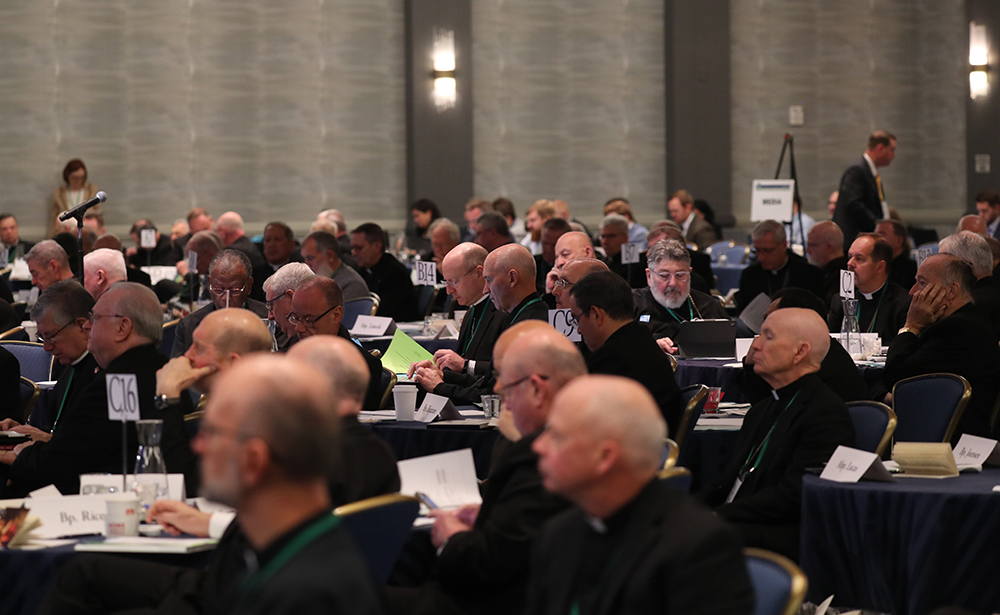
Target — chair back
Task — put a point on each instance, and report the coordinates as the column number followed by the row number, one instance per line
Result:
column 21, row 309
column 873, row 425
column 355, row 308
column 17, row 334
column 929, row 407
column 169, row 332
column 29, row 396
column 673, row 362
column 388, row 382
column 778, row 583
column 425, row 299
column 678, row 477
column 694, row 397
column 717, row 248
column 668, row 458
column 737, row 254
column 379, row 527
column 36, row 362
column 377, row 301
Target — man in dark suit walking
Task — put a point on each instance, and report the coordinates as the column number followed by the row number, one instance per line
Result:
column 861, row 201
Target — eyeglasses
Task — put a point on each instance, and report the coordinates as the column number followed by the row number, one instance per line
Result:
column 221, row 291
column 42, row 338
column 269, row 304
column 93, row 317
column 209, row 430
column 680, row 277
column 454, row 283
column 508, row 387
column 307, row 321
column 563, row 283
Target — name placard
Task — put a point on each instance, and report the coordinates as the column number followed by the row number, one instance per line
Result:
column 846, row 284
column 147, row 238
column 923, row 253
column 564, row 323
column 112, row 483
column 630, row 253
column 975, row 452
column 70, row 515
column 370, row 326
column 771, row 199
column 849, row 465
column 426, row 273
column 435, row 406
column 448, row 332
column 123, row 397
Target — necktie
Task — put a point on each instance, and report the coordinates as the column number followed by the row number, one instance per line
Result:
column 878, row 182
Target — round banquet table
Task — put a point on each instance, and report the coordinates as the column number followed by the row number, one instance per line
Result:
column 905, row 547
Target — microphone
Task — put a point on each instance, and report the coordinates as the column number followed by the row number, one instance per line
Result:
column 80, row 209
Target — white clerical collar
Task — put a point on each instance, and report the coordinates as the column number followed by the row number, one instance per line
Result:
column 869, row 296
column 81, row 357
column 687, row 223
column 871, row 165
column 481, row 299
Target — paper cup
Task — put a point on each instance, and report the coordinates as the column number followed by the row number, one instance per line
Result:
column 123, row 515
column 712, row 402
column 404, row 398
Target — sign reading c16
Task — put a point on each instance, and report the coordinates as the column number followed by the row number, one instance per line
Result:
column 123, row 397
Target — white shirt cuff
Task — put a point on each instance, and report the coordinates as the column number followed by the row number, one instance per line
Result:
column 218, row 523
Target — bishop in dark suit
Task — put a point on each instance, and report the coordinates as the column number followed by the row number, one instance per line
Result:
column 882, row 305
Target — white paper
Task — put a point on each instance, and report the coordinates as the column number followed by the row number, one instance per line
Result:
column 771, row 199
column 147, row 238
column 70, row 515
column 448, row 332
column 123, row 397
column 753, row 314
column 846, row 284
column 160, row 272
column 192, row 262
column 20, row 271
column 975, row 452
column 175, row 482
column 630, row 253
column 48, row 491
column 923, row 253
column 849, row 465
column 564, row 323
column 426, row 273
column 743, row 347
column 147, row 544
column 434, row 406
column 449, row 479
column 369, row 326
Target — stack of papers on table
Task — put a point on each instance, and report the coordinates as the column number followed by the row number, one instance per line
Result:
column 719, row 422
column 147, row 544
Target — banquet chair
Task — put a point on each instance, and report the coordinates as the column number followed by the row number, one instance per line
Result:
column 36, row 362
column 668, row 458
column 17, row 334
column 29, row 397
column 426, row 296
column 376, row 301
column 778, row 583
column 677, row 477
column 874, row 423
column 388, row 382
column 929, row 407
column 694, row 397
column 718, row 248
column 380, row 527
column 673, row 362
column 169, row 332
column 355, row 308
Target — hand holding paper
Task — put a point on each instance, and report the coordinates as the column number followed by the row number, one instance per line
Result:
column 402, row 352
column 415, row 366
column 446, row 525
column 428, row 377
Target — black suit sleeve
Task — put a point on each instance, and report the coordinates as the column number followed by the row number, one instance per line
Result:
column 852, row 189
column 10, row 386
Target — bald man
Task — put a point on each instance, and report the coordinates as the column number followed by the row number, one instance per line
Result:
column 972, row 222
column 825, row 249
column 482, row 562
column 625, row 519
column 570, row 274
column 797, row 427
column 570, row 246
column 102, row 268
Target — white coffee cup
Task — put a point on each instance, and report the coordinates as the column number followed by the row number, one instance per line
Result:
column 404, row 397
column 123, row 515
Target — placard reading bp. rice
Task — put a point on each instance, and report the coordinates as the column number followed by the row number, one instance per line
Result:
column 771, row 199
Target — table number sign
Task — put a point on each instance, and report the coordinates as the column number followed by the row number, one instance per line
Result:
column 564, row 323
column 426, row 273
column 846, row 284
column 630, row 253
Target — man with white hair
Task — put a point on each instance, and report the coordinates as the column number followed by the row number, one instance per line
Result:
column 233, row 235
column 278, row 292
column 795, row 428
column 625, row 519
column 48, row 264
column 973, row 249
column 669, row 299
column 445, row 235
column 335, row 216
column 102, row 268
column 777, row 267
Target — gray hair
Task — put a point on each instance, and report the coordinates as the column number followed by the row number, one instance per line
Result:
column 669, row 249
column 111, row 261
column 231, row 260
column 767, row 227
column 288, row 277
column 616, row 220
column 971, row 248
column 65, row 301
column 324, row 241
column 45, row 251
column 454, row 233
column 139, row 304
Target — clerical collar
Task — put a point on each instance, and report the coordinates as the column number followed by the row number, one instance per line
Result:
column 620, row 518
column 80, row 358
column 869, row 296
column 481, row 299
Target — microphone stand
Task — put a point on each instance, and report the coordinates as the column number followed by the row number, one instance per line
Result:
column 77, row 213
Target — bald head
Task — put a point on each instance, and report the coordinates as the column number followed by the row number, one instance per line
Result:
column 222, row 338
column 343, row 365
column 466, row 256
column 573, row 245
column 974, row 223
column 792, row 343
column 824, row 242
column 509, row 272
column 102, row 268
column 571, row 273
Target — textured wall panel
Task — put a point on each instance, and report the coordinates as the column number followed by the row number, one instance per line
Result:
column 856, row 66
column 275, row 108
column 569, row 103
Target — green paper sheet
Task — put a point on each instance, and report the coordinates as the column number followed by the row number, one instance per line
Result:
column 402, row 352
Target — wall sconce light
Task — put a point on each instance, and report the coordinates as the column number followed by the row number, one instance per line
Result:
column 979, row 81
column 445, row 88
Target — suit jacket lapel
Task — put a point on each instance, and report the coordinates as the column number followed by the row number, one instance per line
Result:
column 635, row 544
column 490, row 312
column 463, row 332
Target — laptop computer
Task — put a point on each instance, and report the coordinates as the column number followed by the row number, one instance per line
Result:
column 704, row 339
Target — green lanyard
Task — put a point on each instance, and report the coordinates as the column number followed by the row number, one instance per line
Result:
column 690, row 311
column 524, row 307
column 69, row 381
column 290, row 550
column 757, row 455
column 477, row 319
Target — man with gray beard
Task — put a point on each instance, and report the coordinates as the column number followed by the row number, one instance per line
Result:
column 669, row 299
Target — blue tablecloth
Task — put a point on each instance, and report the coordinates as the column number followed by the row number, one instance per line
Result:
column 906, row 547
column 728, row 276
column 413, row 439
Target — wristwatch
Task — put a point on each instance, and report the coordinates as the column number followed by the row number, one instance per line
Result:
column 907, row 330
column 162, row 402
